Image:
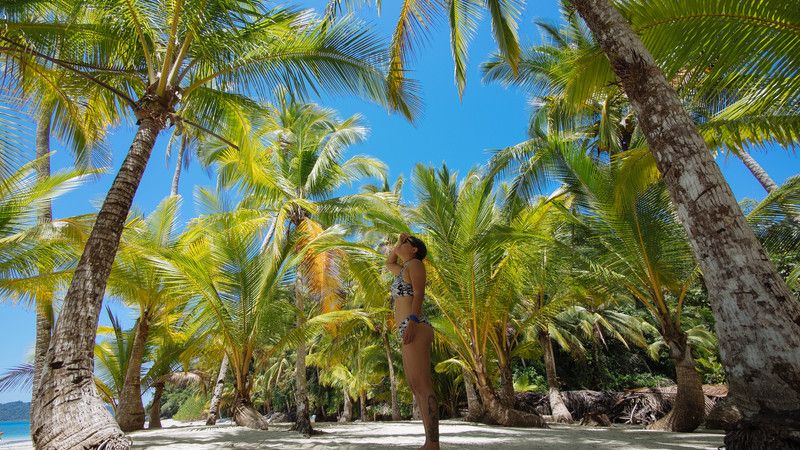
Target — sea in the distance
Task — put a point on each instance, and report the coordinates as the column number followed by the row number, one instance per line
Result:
column 15, row 431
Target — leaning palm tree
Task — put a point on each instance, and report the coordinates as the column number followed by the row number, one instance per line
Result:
column 636, row 244
column 747, row 294
column 137, row 281
column 155, row 58
column 571, row 76
column 629, row 219
column 241, row 298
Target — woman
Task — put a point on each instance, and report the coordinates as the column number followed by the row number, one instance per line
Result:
column 416, row 333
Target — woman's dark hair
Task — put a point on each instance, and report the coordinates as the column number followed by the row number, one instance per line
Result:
column 422, row 250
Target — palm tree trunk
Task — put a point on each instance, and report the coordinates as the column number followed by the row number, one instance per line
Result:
column 557, row 406
column 130, row 411
column 347, row 412
column 506, row 396
column 155, row 407
column 245, row 415
column 755, row 168
column 44, row 306
column 496, row 412
column 68, row 412
column 392, row 379
column 688, row 410
column 474, row 407
column 302, row 423
column 213, row 410
column 757, row 317
column 176, row 177
column 362, row 403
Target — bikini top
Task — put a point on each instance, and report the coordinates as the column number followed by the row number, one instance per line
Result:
column 401, row 288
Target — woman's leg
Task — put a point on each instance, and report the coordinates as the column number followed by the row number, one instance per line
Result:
column 417, row 365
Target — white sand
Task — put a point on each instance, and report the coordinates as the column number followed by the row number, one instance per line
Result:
column 454, row 434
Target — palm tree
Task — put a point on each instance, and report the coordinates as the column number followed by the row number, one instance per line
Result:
column 747, row 294
column 469, row 278
column 136, row 280
column 637, row 243
column 543, row 281
column 80, row 124
column 177, row 342
column 241, row 289
column 155, row 58
column 295, row 170
column 570, row 73
column 350, row 361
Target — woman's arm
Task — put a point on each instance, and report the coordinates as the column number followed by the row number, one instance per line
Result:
column 416, row 270
column 391, row 257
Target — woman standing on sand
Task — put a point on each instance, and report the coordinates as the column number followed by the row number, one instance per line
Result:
column 416, row 333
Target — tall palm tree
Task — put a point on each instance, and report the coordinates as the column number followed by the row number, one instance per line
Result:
column 469, row 278
column 753, row 307
column 295, row 168
column 155, row 58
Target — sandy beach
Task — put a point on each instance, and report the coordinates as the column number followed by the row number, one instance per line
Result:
column 454, row 434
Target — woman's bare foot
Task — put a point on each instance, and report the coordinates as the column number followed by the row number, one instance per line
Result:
column 430, row 446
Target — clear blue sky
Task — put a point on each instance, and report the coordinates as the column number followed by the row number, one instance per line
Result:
column 452, row 131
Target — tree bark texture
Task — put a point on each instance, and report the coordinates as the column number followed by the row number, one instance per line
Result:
column 757, row 318
column 68, row 412
column 688, row 409
column 44, row 306
column 474, row 407
column 415, row 412
column 245, row 415
column 130, row 411
column 755, row 168
column 176, row 177
column 302, row 423
column 392, row 378
column 347, row 412
column 507, row 397
column 496, row 412
column 155, row 407
column 362, row 405
column 557, row 405
column 213, row 409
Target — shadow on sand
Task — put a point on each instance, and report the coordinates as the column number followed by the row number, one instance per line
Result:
column 454, row 434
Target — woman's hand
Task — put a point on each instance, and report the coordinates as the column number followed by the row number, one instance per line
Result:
column 400, row 241
column 408, row 335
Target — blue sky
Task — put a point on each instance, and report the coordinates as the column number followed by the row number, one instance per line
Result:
column 459, row 133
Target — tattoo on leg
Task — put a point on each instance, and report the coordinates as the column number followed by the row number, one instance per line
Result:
column 433, row 413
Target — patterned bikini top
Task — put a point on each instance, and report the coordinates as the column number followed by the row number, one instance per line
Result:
column 400, row 288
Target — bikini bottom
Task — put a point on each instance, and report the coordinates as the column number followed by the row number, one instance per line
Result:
column 404, row 324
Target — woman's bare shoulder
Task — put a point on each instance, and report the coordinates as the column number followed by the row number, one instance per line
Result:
column 415, row 265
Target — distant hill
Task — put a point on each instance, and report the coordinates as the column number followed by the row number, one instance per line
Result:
column 15, row 411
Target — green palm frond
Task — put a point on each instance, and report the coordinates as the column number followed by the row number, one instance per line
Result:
column 750, row 45
column 17, row 378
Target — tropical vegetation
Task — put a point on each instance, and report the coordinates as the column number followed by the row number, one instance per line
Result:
column 606, row 251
